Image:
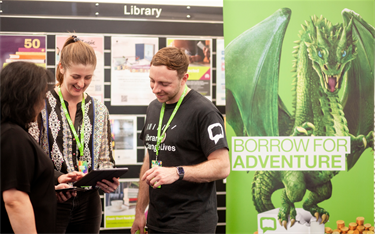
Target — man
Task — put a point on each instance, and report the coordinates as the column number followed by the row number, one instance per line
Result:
column 186, row 152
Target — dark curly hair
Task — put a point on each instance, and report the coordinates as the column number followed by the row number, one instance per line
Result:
column 22, row 85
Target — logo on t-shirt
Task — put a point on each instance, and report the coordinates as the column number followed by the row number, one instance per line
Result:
column 215, row 132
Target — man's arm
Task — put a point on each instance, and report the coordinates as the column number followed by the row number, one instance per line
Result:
column 20, row 211
column 143, row 199
column 216, row 167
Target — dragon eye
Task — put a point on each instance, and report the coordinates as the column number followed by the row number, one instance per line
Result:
column 344, row 53
column 319, row 54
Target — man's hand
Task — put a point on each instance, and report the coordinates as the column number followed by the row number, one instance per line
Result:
column 157, row 176
column 139, row 223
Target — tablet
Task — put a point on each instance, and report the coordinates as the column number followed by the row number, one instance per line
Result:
column 97, row 175
column 70, row 189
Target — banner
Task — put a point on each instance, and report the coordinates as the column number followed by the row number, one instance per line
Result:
column 23, row 48
column 299, row 72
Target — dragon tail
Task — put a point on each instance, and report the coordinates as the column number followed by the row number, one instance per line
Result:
column 263, row 186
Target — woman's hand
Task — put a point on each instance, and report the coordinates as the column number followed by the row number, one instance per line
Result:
column 67, row 178
column 64, row 196
column 107, row 186
column 70, row 177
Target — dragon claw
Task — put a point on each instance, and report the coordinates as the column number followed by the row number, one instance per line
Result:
column 364, row 142
column 284, row 224
column 370, row 139
column 319, row 212
column 308, row 126
column 292, row 222
column 299, row 131
column 316, row 216
column 307, row 129
column 324, row 218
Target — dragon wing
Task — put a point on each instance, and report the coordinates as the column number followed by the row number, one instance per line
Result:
column 252, row 76
column 358, row 97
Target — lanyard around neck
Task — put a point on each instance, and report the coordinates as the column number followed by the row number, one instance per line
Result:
column 79, row 142
column 161, row 137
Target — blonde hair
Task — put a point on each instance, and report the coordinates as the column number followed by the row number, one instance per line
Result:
column 74, row 51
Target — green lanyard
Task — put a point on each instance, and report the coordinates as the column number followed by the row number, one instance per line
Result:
column 161, row 137
column 79, row 142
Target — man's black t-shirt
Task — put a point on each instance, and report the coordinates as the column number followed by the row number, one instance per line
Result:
column 195, row 132
column 25, row 167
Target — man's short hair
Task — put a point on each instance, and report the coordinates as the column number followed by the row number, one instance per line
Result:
column 173, row 58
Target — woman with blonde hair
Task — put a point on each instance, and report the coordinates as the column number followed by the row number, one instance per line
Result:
column 77, row 137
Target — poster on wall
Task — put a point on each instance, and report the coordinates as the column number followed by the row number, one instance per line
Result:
column 300, row 116
column 200, row 72
column 26, row 48
column 96, row 87
column 130, row 81
column 124, row 142
column 220, row 73
column 119, row 206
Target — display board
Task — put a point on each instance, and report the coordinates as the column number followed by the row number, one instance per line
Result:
column 126, row 41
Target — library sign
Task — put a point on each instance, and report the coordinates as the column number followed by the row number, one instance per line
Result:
column 142, row 11
column 154, row 12
column 289, row 153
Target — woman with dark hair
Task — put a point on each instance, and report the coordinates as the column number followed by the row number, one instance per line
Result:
column 77, row 136
column 27, row 189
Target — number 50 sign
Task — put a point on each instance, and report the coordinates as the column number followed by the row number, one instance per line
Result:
column 32, row 43
column 28, row 48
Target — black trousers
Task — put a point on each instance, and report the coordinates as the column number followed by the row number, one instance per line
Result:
column 150, row 231
column 80, row 214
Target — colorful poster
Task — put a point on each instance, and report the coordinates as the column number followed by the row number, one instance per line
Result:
column 300, row 114
column 119, row 206
column 200, row 72
column 23, row 48
column 124, row 142
column 130, row 82
column 220, row 73
column 96, row 88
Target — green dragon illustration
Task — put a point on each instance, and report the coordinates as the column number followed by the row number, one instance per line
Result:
column 328, row 58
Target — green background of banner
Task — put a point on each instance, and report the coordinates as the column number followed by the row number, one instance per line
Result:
column 353, row 191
